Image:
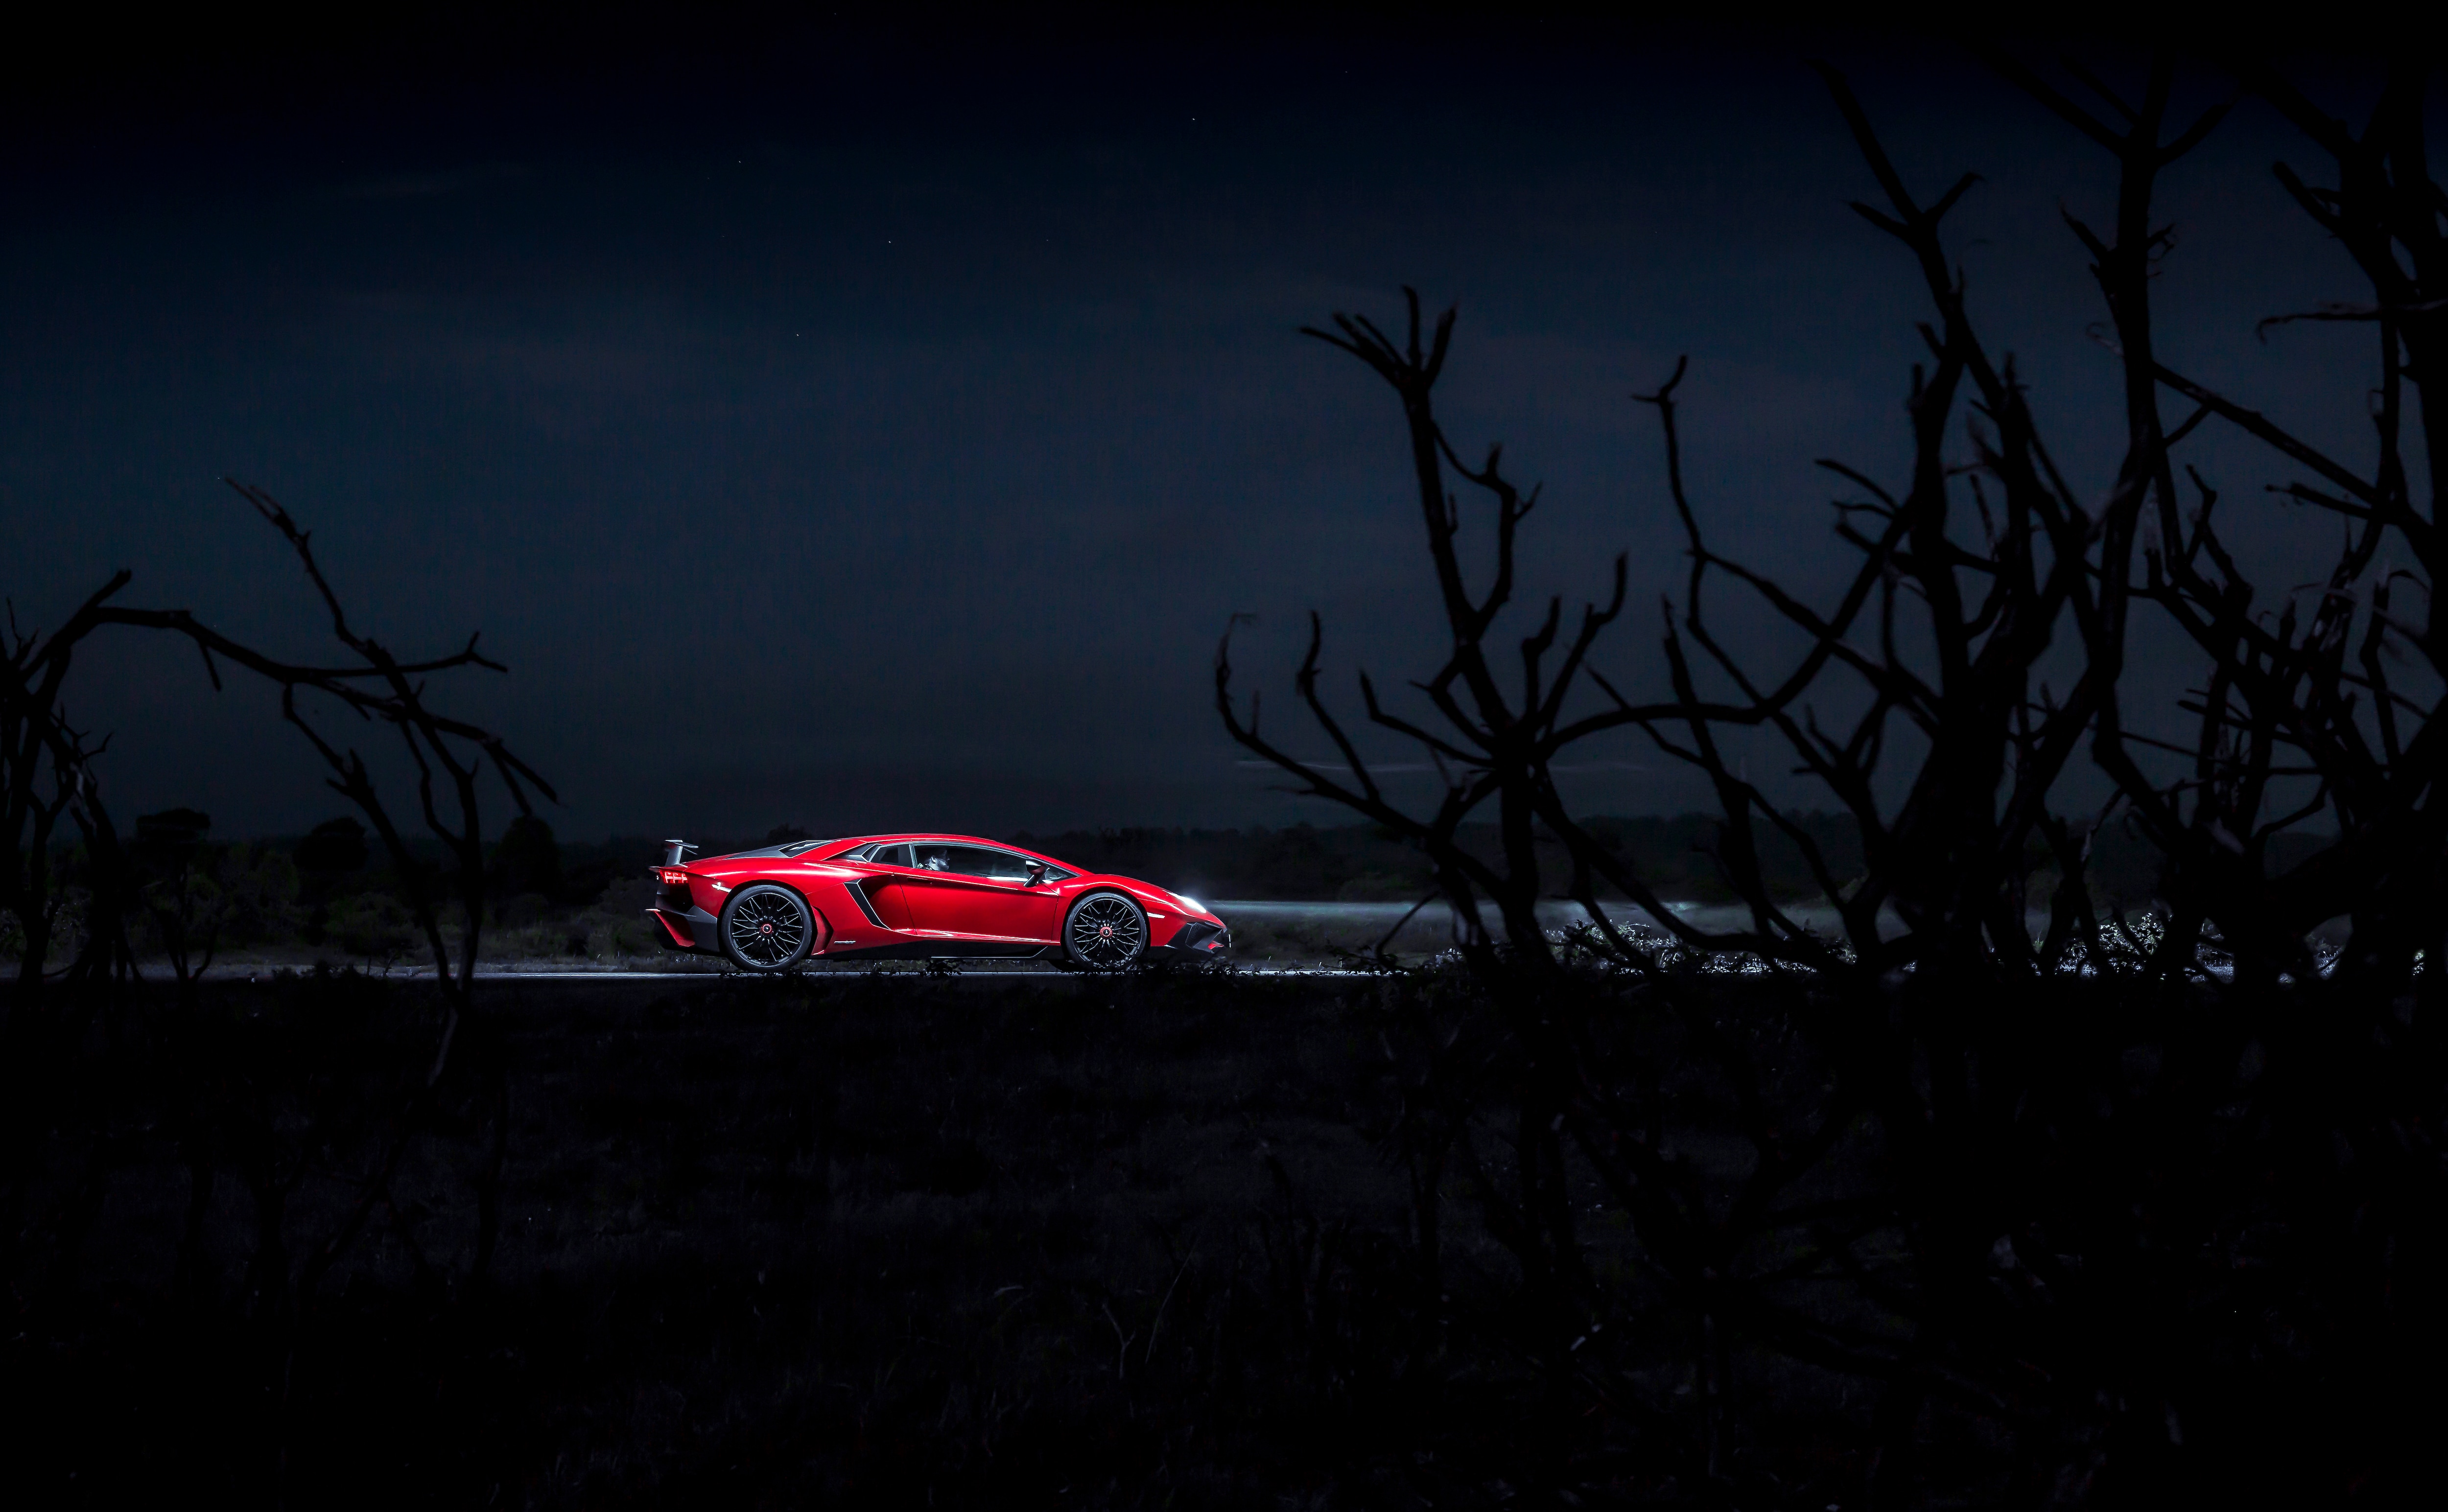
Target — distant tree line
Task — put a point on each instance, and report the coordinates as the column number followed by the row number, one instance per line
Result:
column 1674, row 855
column 198, row 897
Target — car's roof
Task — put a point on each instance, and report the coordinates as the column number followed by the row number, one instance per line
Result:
column 824, row 849
column 763, row 852
column 795, row 848
column 897, row 838
column 851, row 842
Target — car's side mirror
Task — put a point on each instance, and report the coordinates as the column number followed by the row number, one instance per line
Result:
column 1035, row 874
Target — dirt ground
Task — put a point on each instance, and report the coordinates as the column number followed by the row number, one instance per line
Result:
column 882, row 1240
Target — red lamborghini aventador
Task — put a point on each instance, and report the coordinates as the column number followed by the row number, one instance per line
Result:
column 904, row 896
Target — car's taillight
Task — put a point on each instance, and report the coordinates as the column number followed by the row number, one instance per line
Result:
column 671, row 876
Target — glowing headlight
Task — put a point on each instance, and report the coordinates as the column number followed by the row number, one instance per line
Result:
column 1191, row 903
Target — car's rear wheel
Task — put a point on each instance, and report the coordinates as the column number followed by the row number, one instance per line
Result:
column 767, row 928
column 1105, row 929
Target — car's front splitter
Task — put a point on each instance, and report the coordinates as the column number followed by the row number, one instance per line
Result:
column 1199, row 938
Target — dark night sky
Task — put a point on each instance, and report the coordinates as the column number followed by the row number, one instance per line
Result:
column 873, row 430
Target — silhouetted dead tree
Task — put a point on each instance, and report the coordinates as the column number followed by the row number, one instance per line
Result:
column 2001, row 1263
column 381, row 689
column 2347, row 697
column 49, row 773
column 1494, row 748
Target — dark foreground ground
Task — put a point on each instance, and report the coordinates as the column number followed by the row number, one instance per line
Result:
column 889, row 1241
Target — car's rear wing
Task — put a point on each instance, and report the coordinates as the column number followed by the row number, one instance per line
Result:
column 675, row 907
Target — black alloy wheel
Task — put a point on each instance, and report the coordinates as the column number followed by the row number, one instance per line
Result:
column 767, row 928
column 1105, row 929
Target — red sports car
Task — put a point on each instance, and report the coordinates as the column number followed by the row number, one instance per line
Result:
column 913, row 896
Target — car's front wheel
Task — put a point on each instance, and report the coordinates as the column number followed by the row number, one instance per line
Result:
column 1105, row 929
column 767, row 928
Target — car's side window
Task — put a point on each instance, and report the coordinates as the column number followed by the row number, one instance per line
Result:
column 960, row 860
column 977, row 861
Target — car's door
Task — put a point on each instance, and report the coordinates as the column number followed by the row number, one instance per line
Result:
column 888, row 887
column 983, row 892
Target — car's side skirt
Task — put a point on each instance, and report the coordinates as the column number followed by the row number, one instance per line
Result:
column 940, row 949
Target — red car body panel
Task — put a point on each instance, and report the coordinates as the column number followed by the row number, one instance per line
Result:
column 914, row 895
